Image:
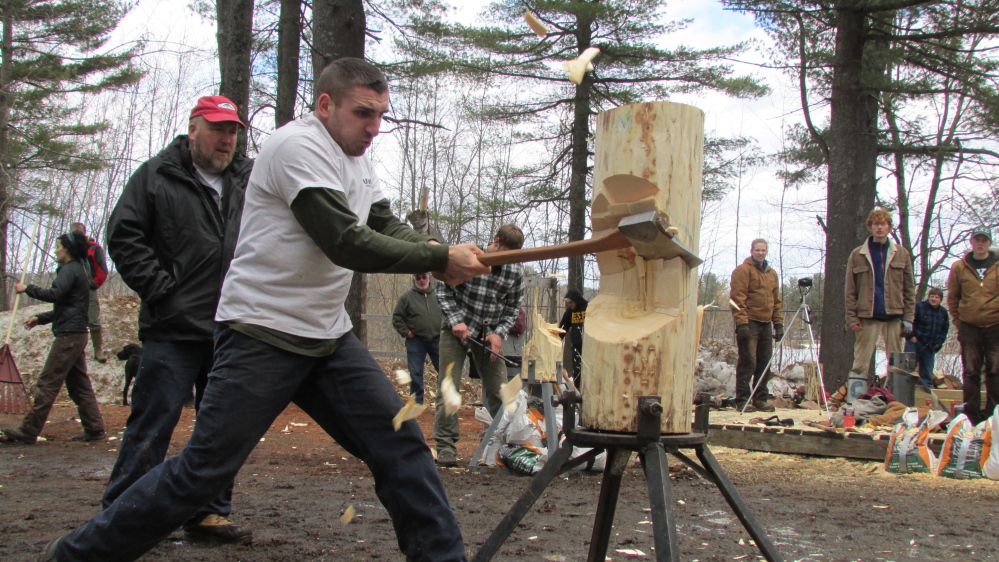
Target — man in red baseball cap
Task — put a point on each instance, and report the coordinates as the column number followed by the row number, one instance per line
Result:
column 172, row 235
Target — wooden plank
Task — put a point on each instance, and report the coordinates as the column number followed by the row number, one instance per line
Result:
column 806, row 442
column 799, row 443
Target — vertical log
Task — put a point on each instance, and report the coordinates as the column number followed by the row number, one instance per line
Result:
column 640, row 334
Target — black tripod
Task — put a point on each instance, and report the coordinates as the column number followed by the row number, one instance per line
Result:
column 652, row 447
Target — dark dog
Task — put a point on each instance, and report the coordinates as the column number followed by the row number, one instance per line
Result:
column 130, row 354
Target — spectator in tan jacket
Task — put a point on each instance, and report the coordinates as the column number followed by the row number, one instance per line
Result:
column 973, row 300
column 880, row 292
column 756, row 306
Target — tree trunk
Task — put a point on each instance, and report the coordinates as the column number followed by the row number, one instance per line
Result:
column 356, row 305
column 6, row 167
column 851, row 185
column 579, row 170
column 338, row 28
column 640, row 335
column 289, row 37
column 235, row 40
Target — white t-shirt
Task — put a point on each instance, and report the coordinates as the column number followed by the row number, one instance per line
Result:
column 213, row 180
column 280, row 279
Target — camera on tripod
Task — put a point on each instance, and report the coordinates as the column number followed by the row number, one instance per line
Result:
column 804, row 285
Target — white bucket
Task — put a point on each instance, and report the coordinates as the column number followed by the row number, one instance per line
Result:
column 856, row 386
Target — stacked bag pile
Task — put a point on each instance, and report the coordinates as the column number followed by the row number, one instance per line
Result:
column 967, row 452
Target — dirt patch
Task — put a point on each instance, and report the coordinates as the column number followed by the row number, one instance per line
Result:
column 298, row 481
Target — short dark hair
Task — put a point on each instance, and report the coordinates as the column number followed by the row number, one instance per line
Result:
column 341, row 75
column 935, row 291
column 82, row 227
column 511, row 236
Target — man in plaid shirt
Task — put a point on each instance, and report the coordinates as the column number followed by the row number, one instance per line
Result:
column 484, row 308
column 929, row 332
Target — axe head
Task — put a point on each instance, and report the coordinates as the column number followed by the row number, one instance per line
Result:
column 647, row 232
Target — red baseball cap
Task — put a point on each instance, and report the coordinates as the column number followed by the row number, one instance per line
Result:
column 216, row 108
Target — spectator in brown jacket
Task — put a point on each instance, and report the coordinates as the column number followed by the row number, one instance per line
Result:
column 880, row 292
column 755, row 294
column 973, row 300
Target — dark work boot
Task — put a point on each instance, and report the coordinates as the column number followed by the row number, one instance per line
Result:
column 87, row 436
column 763, row 405
column 20, row 436
column 98, row 340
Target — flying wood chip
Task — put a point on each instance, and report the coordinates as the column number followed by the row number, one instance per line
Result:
column 535, row 24
column 577, row 68
column 410, row 411
column 509, row 392
column 402, row 377
column 452, row 400
column 348, row 514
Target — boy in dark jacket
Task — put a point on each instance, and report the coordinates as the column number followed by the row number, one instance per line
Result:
column 572, row 322
column 417, row 317
column 929, row 332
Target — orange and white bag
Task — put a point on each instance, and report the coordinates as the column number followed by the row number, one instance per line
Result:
column 907, row 450
column 966, row 449
column 990, row 459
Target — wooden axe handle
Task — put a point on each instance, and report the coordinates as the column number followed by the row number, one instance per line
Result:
column 613, row 240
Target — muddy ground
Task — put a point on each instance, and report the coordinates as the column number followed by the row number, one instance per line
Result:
column 298, row 481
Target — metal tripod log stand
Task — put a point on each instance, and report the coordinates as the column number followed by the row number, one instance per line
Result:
column 652, row 447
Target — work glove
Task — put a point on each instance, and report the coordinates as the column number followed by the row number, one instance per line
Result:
column 742, row 331
column 778, row 332
column 906, row 329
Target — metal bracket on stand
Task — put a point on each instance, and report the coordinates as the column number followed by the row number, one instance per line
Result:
column 652, row 447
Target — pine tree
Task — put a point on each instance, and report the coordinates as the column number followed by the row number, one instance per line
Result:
column 631, row 68
column 51, row 54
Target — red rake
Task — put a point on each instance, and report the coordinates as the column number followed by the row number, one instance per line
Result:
column 13, row 393
column 14, row 397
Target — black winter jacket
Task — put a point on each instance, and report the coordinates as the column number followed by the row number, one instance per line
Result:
column 572, row 320
column 70, row 292
column 172, row 244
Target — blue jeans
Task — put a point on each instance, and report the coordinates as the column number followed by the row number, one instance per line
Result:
column 346, row 393
column 167, row 372
column 416, row 356
column 926, row 358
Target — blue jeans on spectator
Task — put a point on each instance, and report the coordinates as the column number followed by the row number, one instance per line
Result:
column 416, row 357
column 346, row 393
column 168, row 371
column 926, row 358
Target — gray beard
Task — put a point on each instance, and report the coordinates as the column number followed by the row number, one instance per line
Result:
column 209, row 163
